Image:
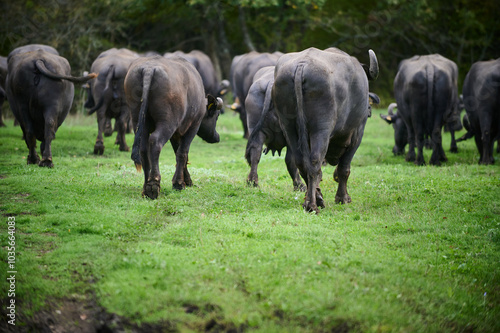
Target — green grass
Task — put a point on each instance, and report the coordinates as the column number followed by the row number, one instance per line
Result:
column 416, row 251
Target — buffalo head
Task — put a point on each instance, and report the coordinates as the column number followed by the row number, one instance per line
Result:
column 400, row 131
column 207, row 129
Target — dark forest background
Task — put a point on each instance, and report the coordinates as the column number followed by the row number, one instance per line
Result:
column 464, row 31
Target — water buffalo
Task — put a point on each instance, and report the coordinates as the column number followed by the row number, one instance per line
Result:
column 470, row 132
column 322, row 102
column 264, row 128
column 106, row 95
column 167, row 101
column 32, row 47
column 3, row 71
column 401, row 133
column 205, row 67
column 243, row 69
column 426, row 94
column 40, row 92
column 481, row 95
column 3, row 78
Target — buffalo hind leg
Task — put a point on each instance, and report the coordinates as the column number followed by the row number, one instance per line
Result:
column 253, row 154
column 420, row 147
column 438, row 154
column 175, row 142
column 298, row 185
column 181, row 177
column 314, row 197
column 146, row 165
column 341, row 175
column 488, row 143
column 101, row 123
column 243, row 117
column 121, row 124
column 30, row 139
column 156, row 142
column 453, row 144
column 410, row 156
column 108, row 128
column 49, row 135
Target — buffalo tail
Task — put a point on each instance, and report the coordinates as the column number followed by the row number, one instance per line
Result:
column 146, row 85
column 108, row 91
column 40, row 66
column 430, row 99
column 301, row 119
column 265, row 111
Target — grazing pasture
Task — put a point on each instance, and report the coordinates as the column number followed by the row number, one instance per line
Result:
column 417, row 250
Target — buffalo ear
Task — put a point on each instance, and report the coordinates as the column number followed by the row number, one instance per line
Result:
column 212, row 105
column 389, row 119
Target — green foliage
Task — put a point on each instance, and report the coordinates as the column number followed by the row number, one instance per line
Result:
column 463, row 31
column 416, row 250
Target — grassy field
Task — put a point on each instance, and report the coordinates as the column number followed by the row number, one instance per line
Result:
column 417, row 250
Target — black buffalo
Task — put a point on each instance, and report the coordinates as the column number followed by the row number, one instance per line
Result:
column 3, row 71
column 40, row 91
column 400, row 131
column 264, row 128
column 426, row 94
column 322, row 102
column 107, row 98
column 481, row 97
column 205, row 67
column 243, row 69
column 167, row 101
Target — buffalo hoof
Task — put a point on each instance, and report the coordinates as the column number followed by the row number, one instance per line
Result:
column 419, row 161
column 33, row 159
column 343, row 199
column 179, row 187
column 308, row 207
column 410, row 157
column 152, row 189
column 47, row 163
column 124, row 148
column 485, row 161
column 299, row 187
column 99, row 149
column 188, row 182
column 319, row 198
column 252, row 182
column 437, row 161
column 454, row 150
column 320, row 202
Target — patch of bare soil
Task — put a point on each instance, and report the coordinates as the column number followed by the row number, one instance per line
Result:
column 77, row 316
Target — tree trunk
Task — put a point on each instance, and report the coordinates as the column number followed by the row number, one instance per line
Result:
column 243, row 26
column 223, row 48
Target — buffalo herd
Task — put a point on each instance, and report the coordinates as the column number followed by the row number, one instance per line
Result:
column 315, row 103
